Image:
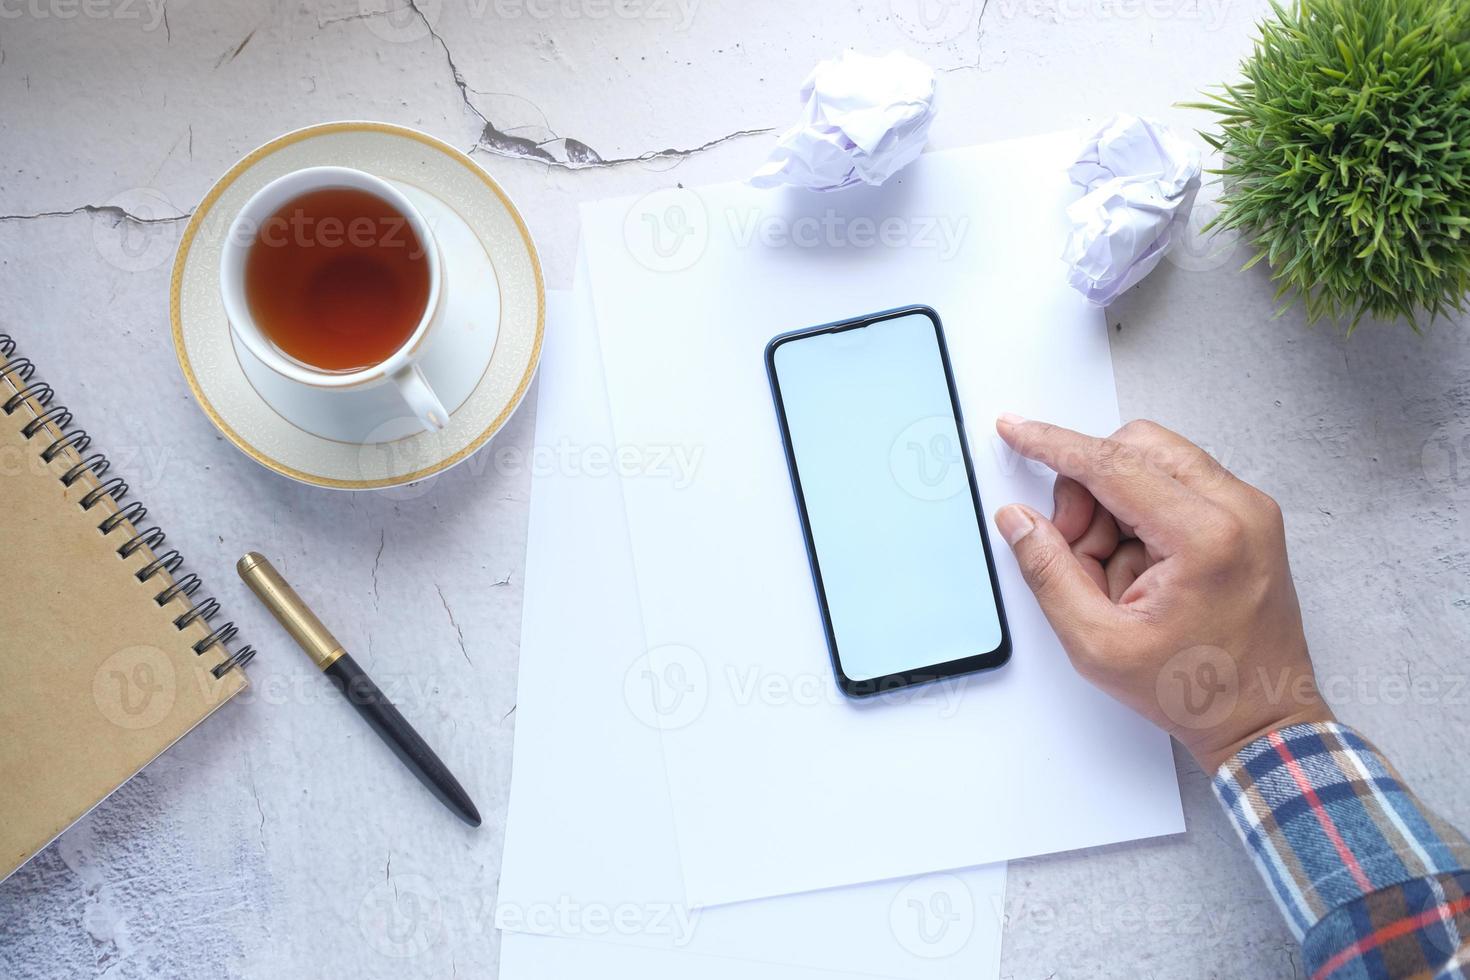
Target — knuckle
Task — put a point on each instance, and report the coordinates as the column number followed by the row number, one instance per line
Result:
column 1167, row 461
column 1040, row 434
column 1139, row 429
column 1249, row 515
column 1112, row 456
column 1268, row 508
column 1213, row 477
column 1233, row 525
column 1049, row 444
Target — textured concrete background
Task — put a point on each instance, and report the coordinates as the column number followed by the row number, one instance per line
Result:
column 278, row 839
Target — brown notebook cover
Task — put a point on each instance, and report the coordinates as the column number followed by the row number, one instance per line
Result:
column 97, row 676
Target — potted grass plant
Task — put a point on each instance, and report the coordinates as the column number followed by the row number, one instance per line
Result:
column 1346, row 157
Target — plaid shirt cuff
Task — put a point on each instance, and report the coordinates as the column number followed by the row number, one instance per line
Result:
column 1346, row 847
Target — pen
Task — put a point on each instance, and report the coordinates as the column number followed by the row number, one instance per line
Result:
column 324, row 650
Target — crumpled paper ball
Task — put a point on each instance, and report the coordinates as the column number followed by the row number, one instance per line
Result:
column 866, row 118
column 1140, row 180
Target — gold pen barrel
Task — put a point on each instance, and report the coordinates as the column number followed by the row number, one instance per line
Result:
column 283, row 602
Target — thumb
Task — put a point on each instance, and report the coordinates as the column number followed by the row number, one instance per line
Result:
column 1076, row 608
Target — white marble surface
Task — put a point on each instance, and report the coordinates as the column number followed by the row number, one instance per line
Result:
column 279, row 839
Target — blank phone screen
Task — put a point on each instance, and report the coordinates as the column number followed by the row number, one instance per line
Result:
column 890, row 511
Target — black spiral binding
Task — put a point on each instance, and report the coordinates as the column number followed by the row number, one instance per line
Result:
column 19, row 372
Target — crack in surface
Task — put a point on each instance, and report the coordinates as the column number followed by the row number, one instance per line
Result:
column 559, row 151
column 580, row 156
column 324, row 22
column 120, row 213
column 452, row 622
column 230, row 56
column 378, row 560
column 575, row 154
column 459, row 82
column 979, row 43
column 255, row 792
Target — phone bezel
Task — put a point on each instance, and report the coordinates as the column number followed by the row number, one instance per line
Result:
column 965, row 665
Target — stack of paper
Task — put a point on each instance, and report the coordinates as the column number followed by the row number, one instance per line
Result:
column 589, row 850
column 680, row 743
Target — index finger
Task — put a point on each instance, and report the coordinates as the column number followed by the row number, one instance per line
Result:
column 1158, row 507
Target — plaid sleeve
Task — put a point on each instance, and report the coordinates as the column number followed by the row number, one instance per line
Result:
column 1370, row 881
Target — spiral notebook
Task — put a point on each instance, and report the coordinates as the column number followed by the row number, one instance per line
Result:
column 108, row 653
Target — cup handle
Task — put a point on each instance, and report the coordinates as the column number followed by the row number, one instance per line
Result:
column 420, row 397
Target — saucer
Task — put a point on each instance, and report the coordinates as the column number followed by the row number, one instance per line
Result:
column 480, row 362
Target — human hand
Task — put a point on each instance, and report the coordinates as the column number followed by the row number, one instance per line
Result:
column 1166, row 579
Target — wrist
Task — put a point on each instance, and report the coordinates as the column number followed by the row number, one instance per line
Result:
column 1213, row 753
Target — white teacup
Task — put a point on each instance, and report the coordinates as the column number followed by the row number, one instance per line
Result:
column 402, row 367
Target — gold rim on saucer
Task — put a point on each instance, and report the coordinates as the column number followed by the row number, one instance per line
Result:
column 520, row 327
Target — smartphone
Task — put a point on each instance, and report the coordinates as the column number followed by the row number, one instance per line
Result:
column 889, row 506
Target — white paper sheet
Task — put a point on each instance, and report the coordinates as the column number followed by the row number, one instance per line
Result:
column 590, row 860
column 780, row 785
